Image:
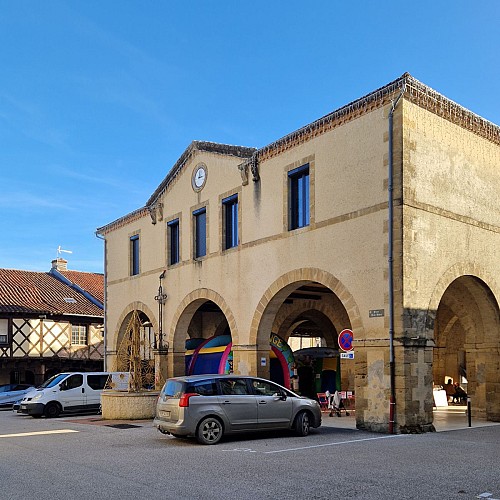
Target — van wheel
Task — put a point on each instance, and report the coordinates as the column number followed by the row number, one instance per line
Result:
column 302, row 424
column 209, row 431
column 52, row 410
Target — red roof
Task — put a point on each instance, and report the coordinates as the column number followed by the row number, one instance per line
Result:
column 36, row 292
column 92, row 283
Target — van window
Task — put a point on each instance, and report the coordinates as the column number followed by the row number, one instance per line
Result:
column 203, row 387
column 74, row 381
column 97, row 382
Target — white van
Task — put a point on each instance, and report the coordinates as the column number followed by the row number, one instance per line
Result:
column 70, row 393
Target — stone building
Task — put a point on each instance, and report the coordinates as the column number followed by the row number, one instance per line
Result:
column 381, row 217
column 49, row 323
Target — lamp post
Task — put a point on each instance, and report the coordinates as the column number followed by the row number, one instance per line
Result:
column 160, row 298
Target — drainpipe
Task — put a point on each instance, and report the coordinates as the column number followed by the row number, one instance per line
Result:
column 105, row 332
column 392, row 403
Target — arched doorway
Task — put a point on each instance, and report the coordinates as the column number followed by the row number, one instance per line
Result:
column 135, row 350
column 467, row 343
column 204, row 340
column 304, row 308
column 202, row 329
column 208, row 343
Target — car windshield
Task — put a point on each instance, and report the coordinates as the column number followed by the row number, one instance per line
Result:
column 52, row 381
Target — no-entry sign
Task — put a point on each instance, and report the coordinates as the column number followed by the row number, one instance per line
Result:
column 345, row 340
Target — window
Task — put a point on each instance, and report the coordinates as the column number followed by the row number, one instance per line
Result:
column 173, row 242
column 73, row 382
column 134, row 255
column 200, row 232
column 234, row 387
column 78, row 334
column 230, row 221
column 97, row 382
column 202, row 387
column 263, row 388
column 4, row 331
column 298, row 180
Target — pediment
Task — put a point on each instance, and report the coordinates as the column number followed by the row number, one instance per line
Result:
column 191, row 151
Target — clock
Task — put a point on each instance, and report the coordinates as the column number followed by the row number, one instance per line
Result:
column 199, row 177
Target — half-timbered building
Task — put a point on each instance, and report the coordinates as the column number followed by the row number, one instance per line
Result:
column 50, row 322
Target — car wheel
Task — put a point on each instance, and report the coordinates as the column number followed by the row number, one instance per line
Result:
column 209, row 431
column 52, row 410
column 302, row 424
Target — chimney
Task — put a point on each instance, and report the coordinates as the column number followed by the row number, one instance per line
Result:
column 60, row 264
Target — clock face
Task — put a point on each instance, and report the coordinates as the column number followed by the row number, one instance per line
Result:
column 199, row 177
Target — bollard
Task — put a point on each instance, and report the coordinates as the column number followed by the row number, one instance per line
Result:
column 468, row 412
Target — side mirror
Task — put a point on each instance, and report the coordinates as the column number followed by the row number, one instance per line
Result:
column 63, row 386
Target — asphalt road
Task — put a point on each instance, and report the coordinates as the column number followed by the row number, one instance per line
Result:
column 79, row 458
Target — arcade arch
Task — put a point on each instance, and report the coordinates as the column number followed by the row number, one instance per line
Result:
column 135, row 347
column 308, row 303
column 467, row 343
column 201, row 316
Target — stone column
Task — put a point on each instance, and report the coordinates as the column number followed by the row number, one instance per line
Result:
column 161, row 367
column 250, row 360
column 414, row 397
column 111, row 361
column 176, row 363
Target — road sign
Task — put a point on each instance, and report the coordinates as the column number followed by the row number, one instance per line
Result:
column 347, row 355
column 345, row 339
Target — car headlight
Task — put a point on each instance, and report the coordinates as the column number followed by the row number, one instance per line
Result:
column 38, row 396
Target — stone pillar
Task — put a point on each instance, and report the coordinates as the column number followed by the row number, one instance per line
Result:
column 414, row 396
column 176, row 363
column 413, row 386
column 161, row 367
column 250, row 360
column 372, row 385
column 478, row 379
column 111, row 361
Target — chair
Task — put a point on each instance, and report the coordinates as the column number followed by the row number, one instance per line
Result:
column 323, row 401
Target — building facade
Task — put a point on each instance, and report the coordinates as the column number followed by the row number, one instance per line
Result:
column 49, row 323
column 381, row 218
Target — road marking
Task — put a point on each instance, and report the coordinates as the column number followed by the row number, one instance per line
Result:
column 246, row 450
column 37, row 433
column 334, row 444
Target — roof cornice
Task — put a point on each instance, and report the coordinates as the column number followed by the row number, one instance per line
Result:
column 413, row 90
column 123, row 221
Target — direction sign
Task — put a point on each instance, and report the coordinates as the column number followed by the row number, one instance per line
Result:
column 345, row 339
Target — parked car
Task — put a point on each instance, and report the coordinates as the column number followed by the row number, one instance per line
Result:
column 10, row 393
column 69, row 393
column 210, row 406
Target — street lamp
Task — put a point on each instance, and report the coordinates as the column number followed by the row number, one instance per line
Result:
column 161, row 299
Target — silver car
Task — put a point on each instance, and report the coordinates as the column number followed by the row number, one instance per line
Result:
column 209, row 406
column 10, row 393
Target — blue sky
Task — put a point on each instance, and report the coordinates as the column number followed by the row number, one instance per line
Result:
column 98, row 99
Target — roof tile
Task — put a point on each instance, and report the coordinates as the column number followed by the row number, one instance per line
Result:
column 37, row 292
